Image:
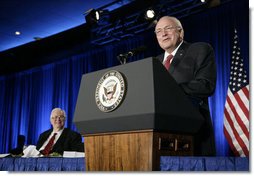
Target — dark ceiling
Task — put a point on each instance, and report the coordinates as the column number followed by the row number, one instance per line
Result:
column 55, row 29
column 36, row 19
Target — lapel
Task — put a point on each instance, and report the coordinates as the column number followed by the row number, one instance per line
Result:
column 160, row 57
column 44, row 137
column 47, row 134
column 178, row 57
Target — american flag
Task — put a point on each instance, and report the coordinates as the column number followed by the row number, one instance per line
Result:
column 236, row 112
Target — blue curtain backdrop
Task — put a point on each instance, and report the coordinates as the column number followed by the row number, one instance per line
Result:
column 27, row 98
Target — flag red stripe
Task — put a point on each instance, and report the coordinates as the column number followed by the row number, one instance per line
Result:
column 234, row 135
column 242, row 105
column 230, row 142
column 239, row 140
column 246, row 92
column 238, row 119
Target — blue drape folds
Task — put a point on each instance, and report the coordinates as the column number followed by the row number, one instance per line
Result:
column 27, row 98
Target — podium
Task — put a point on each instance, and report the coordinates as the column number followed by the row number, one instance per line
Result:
column 153, row 119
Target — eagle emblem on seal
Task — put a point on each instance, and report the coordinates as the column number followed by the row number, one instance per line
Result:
column 110, row 91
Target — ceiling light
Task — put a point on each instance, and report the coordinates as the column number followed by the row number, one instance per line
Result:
column 97, row 15
column 17, row 33
column 150, row 14
column 92, row 16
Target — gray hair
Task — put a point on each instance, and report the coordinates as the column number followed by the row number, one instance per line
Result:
column 178, row 23
column 58, row 109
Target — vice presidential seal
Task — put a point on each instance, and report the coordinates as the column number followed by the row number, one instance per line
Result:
column 110, row 91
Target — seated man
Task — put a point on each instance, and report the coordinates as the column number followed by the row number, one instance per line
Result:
column 59, row 139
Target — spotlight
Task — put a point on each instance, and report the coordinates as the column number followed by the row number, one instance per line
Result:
column 149, row 14
column 97, row 17
column 17, row 33
column 92, row 16
column 210, row 3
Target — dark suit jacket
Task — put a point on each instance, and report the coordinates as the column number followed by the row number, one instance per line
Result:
column 193, row 68
column 68, row 141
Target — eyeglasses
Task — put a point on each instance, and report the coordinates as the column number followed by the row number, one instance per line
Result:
column 56, row 117
column 159, row 31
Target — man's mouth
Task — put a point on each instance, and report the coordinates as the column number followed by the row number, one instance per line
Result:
column 166, row 39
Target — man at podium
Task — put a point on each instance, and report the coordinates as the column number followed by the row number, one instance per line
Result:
column 193, row 67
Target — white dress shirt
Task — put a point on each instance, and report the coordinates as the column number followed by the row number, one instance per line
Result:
column 56, row 138
column 173, row 53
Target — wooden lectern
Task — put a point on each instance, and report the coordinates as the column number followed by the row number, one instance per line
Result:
column 154, row 119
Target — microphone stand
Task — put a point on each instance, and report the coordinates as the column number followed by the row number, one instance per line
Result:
column 122, row 58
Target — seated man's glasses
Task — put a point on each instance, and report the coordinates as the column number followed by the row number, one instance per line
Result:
column 56, row 117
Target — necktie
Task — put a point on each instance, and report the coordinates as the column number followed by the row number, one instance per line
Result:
column 167, row 62
column 49, row 146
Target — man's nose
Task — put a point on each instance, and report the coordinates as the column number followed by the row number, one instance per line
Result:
column 164, row 32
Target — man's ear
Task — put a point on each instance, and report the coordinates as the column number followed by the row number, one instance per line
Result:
column 181, row 34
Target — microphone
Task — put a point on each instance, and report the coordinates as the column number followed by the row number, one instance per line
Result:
column 123, row 57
